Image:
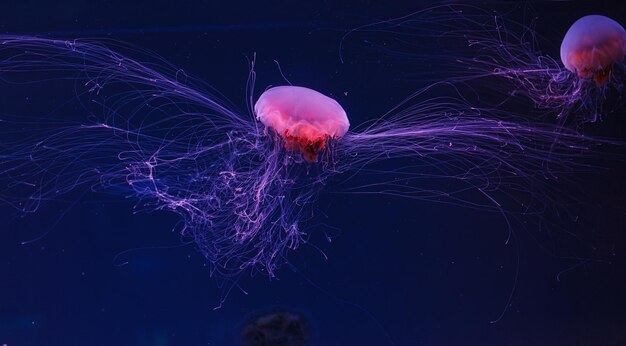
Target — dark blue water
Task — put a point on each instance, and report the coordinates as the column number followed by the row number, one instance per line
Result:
column 399, row 272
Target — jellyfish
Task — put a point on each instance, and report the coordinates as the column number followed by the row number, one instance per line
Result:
column 245, row 183
column 485, row 53
column 304, row 118
column 592, row 45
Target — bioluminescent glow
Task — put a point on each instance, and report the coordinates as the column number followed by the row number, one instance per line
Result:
column 245, row 183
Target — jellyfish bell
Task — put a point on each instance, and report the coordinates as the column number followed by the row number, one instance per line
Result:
column 592, row 45
column 304, row 118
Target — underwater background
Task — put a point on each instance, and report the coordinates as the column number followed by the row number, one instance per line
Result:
column 399, row 271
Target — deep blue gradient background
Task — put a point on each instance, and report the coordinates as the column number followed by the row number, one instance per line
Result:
column 416, row 273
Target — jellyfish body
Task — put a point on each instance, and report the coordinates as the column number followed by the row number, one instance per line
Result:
column 304, row 118
column 592, row 45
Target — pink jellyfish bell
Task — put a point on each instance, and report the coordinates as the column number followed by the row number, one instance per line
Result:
column 592, row 45
column 303, row 117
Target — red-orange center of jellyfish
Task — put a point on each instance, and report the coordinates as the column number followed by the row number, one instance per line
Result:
column 309, row 147
column 304, row 118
